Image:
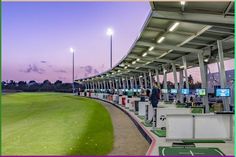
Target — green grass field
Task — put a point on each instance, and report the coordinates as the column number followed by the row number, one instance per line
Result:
column 54, row 124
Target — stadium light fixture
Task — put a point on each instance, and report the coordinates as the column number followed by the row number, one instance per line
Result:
column 161, row 39
column 174, row 26
column 110, row 32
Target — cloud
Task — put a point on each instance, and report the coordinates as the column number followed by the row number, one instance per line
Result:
column 43, row 61
column 61, row 71
column 33, row 68
column 86, row 71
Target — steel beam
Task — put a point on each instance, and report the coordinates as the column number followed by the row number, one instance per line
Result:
column 198, row 18
column 166, row 95
column 171, row 47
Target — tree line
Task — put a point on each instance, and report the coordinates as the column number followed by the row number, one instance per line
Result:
column 33, row 86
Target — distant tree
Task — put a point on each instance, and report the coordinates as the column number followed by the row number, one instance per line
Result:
column 22, row 85
column 46, row 86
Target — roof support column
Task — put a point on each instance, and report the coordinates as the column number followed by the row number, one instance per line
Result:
column 119, row 81
column 186, row 75
column 127, row 83
column 113, row 84
column 123, row 83
column 158, row 80
column 131, row 83
column 150, row 77
column 166, row 96
column 222, row 74
column 135, row 82
column 104, row 84
column 175, row 79
column 203, row 71
column 117, row 84
column 145, row 80
column 181, row 85
column 140, row 82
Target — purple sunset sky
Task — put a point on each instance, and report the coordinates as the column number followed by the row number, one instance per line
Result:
column 36, row 37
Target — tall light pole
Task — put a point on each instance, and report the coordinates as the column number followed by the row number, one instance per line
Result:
column 73, row 69
column 110, row 33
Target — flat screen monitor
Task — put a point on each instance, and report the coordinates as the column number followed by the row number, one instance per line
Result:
column 126, row 90
column 123, row 90
column 173, row 91
column 222, row 92
column 201, row 92
column 135, row 90
column 185, row 91
column 164, row 91
column 139, row 90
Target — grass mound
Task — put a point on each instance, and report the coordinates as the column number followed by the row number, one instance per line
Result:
column 54, row 124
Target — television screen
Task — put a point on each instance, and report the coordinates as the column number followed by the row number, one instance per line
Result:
column 185, row 91
column 224, row 92
column 164, row 91
column 173, row 91
column 201, row 92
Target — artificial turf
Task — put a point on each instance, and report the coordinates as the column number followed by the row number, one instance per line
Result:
column 54, row 124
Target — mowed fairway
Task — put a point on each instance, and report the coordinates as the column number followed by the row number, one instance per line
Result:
column 54, row 124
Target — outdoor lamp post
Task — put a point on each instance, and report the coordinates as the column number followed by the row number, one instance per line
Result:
column 110, row 33
column 73, row 69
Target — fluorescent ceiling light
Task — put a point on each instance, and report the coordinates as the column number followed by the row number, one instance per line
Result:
column 125, row 67
column 150, row 48
column 136, row 67
column 137, row 59
column 118, row 71
column 147, row 63
column 128, row 65
column 144, row 54
column 173, row 26
column 161, row 39
column 182, row 2
column 140, row 76
column 133, row 62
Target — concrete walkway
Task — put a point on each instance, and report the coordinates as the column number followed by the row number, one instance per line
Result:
column 128, row 139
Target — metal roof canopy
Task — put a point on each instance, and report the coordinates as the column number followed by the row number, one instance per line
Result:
column 201, row 24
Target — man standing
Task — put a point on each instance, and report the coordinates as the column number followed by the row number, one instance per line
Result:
column 154, row 99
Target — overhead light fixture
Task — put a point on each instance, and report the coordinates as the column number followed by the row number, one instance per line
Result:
column 133, row 62
column 150, row 48
column 128, row 65
column 181, row 67
column 147, row 63
column 161, row 39
column 138, row 59
column 118, row 71
column 141, row 76
column 125, row 67
column 144, row 54
column 182, row 2
column 173, row 26
column 136, row 67
column 206, row 60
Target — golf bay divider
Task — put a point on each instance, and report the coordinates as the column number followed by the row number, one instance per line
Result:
column 199, row 126
column 142, row 108
column 162, row 112
column 132, row 103
column 150, row 139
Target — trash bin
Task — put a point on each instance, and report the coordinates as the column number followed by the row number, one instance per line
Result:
column 123, row 101
column 136, row 105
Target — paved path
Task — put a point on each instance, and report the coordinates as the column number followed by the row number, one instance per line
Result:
column 128, row 139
